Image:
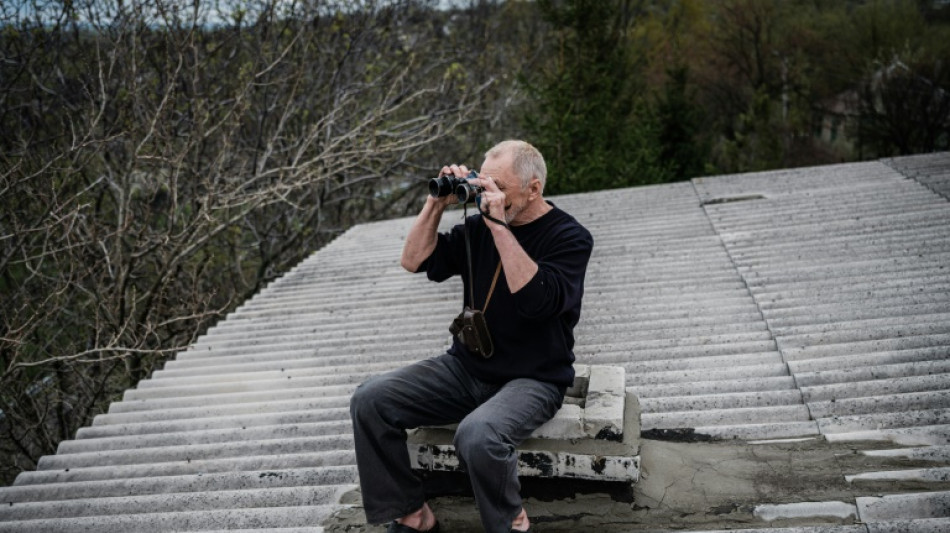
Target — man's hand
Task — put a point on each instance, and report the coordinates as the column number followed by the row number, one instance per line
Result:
column 493, row 199
column 422, row 237
column 459, row 171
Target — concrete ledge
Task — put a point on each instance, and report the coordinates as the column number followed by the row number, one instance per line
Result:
column 595, row 435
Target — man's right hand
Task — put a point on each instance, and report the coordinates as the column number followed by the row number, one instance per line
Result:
column 459, row 171
column 423, row 235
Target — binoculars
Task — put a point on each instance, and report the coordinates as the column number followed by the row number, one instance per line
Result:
column 462, row 188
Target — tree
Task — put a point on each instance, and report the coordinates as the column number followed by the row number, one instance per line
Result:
column 680, row 138
column 903, row 79
column 161, row 162
column 903, row 111
column 590, row 118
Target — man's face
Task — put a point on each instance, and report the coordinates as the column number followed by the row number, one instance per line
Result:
column 516, row 198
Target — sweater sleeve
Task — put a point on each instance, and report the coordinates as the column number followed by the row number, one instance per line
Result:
column 447, row 258
column 558, row 285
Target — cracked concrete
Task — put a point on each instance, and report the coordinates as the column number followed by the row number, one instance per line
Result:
column 692, row 486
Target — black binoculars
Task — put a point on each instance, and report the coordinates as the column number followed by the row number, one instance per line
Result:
column 462, row 188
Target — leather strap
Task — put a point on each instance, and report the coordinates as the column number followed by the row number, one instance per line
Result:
column 471, row 277
column 468, row 257
column 492, row 289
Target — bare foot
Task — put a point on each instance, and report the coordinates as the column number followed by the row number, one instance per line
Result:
column 422, row 520
column 521, row 522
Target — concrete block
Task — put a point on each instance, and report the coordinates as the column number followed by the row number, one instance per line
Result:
column 538, row 462
column 607, row 448
column 593, row 407
column 604, row 407
column 567, row 423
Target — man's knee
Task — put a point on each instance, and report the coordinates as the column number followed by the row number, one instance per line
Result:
column 365, row 398
column 476, row 440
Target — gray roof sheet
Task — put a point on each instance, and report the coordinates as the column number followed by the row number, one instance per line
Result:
column 794, row 303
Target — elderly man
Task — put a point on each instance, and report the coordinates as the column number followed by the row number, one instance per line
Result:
column 529, row 259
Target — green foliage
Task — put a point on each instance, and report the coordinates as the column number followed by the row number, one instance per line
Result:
column 590, row 118
column 755, row 143
column 680, row 120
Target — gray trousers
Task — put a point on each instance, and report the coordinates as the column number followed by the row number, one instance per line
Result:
column 493, row 419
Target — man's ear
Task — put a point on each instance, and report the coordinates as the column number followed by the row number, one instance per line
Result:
column 534, row 188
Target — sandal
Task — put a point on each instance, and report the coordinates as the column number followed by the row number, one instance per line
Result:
column 396, row 527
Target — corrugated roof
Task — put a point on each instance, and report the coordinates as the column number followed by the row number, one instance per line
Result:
column 805, row 302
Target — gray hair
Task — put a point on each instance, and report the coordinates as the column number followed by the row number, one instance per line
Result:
column 526, row 161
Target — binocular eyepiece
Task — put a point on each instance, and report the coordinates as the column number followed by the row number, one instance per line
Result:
column 462, row 188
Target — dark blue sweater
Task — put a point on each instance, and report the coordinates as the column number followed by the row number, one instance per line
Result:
column 532, row 329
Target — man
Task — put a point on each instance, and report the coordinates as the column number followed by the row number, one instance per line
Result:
column 500, row 400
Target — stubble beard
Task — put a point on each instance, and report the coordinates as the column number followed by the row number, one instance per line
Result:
column 511, row 213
